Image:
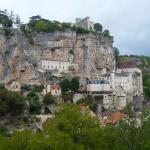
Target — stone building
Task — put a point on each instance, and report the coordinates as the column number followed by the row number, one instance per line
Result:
column 54, row 89
column 13, row 85
column 102, row 92
column 125, row 86
column 47, row 89
column 61, row 66
column 85, row 23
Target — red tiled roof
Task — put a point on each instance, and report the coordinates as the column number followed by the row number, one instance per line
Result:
column 112, row 117
column 55, row 87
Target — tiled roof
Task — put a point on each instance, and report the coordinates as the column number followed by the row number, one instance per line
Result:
column 11, row 81
column 128, row 64
column 55, row 87
column 112, row 118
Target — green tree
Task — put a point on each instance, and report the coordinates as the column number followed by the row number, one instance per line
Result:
column 19, row 141
column 38, row 88
column 65, row 85
column 31, row 94
column 35, row 104
column 67, row 96
column 98, row 27
column 48, row 99
column 5, row 21
column 75, row 84
column 11, row 102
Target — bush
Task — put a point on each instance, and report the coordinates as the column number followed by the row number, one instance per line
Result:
column 48, row 99
column 11, row 102
column 5, row 21
column 25, row 87
column 65, row 85
column 38, row 88
column 75, row 84
column 98, row 27
column 35, row 105
column 31, row 94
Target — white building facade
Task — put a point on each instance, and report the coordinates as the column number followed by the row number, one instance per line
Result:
column 126, row 85
column 54, row 89
column 61, row 66
column 13, row 86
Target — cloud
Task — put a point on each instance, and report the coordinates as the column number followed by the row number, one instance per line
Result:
column 127, row 20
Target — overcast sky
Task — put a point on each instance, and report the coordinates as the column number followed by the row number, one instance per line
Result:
column 127, row 20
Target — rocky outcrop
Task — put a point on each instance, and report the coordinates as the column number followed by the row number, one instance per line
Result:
column 20, row 60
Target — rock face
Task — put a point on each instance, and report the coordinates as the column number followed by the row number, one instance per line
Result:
column 20, row 60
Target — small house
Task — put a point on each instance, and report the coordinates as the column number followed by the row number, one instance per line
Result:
column 13, row 85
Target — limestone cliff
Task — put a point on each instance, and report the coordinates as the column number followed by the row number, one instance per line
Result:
column 21, row 60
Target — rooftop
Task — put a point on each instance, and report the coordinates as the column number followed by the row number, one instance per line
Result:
column 128, row 64
column 55, row 87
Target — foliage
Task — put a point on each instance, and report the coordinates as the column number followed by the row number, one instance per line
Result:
column 26, row 87
column 38, row 88
column 71, row 129
column 72, row 86
column 38, row 24
column 3, row 130
column 65, row 85
column 98, row 27
column 8, row 32
column 4, row 20
column 28, row 34
column 89, row 101
column 33, row 88
column 31, row 94
column 11, row 102
column 71, row 51
column 146, row 83
column 67, row 96
column 48, row 99
column 35, row 104
column 106, row 33
column 80, row 30
column 75, row 84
